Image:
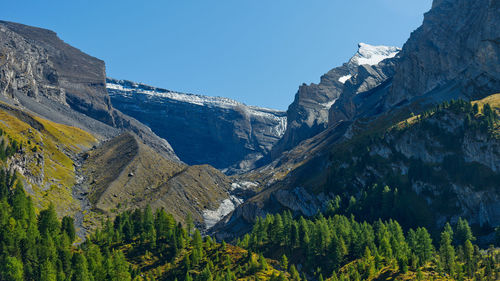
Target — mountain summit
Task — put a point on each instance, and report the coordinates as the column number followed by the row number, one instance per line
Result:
column 308, row 114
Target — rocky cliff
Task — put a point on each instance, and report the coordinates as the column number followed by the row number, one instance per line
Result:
column 42, row 74
column 445, row 167
column 455, row 52
column 202, row 130
column 308, row 114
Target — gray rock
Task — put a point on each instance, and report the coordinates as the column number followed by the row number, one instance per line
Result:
column 202, row 130
column 457, row 47
column 308, row 115
column 42, row 74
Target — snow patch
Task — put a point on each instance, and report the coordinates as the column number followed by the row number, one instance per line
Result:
column 212, row 217
column 344, row 78
column 128, row 89
column 243, row 185
column 373, row 55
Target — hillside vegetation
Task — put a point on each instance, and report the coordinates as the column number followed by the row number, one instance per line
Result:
column 44, row 157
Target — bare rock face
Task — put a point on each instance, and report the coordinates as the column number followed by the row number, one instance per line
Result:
column 41, row 73
column 35, row 62
column 454, row 54
column 457, row 50
column 309, row 113
column 363, row 91
column 202, row 130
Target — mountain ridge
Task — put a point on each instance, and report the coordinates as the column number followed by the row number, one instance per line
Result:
column 203, row 130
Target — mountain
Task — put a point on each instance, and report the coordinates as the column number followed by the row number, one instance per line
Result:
column 308, row 114
column 136, row 176
column 44, row 75
column 83, row 155
column 440, row 61
column 439, row 168
column 218, row 131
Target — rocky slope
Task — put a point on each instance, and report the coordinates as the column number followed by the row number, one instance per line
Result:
column 75, row 144
column 135, row 176
column 42, row 74
column 444, row 165
column 308, row 114
column 202, row 130
column 442, row 61
column 455, row 51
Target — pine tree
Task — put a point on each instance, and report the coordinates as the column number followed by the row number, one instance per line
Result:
column 468, row 257
column 48, row 222
column 422, row 246
column 447, row 253
column 119, row 267
column 13, row 269
column 284, row 262
column 197, row 252
column 463, row 232
column 80, row 269
column 68, row 227
column 48, row 271
column 294, row 273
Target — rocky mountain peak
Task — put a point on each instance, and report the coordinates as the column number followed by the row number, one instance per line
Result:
column 372, row 55
column 308, row 115
column 456, row 52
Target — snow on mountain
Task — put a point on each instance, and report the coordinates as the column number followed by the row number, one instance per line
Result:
column 124, row 88
column 372, row 55
column 222, row 132
column 344, row 78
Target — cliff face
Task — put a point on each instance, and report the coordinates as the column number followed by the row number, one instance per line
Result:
column 455, row 54
column 444, row 164
column 308, row 114
column 36, row 63
column 202, row 130
column 42, row 74
column 363, row 91
column 456, row 50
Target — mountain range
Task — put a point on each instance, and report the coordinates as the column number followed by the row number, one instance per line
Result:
column 408, row 135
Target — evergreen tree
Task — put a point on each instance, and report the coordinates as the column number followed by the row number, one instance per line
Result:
column 447, row 253
column 80, row 269
column 463, row 232
column 284, row 262
column 13, row 269
column 68, row 227
column 48, row 271
column 48, row 222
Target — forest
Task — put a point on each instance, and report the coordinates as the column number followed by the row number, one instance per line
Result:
column 147, row 245
column 354, row 238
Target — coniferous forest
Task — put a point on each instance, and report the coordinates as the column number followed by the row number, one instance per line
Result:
column 385, row 169
column 353, row 239
column 147, row 245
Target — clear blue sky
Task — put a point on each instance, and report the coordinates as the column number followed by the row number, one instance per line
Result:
column 255, row 51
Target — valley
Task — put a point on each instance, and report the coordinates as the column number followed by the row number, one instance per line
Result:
column 387, row 169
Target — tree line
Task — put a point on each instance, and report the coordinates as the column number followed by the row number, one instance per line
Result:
column 328, row 246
